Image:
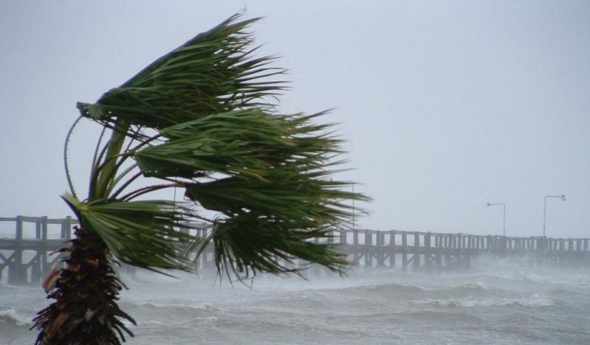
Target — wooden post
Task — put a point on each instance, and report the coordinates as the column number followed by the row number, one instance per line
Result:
column 459, row 252
column 428, row 251
column 343, row 234
column 416, row 262
column 448, row 247
column 393, row 252
column 370, row 250
column 471, row 244
column 15, row 269
column 66, row 228
column 579, row 252
column 404, row 250
column 44, row 261
column 380, row 249
column 355, row 247
column 38, row 229
column 39, row 264
column 438, row 250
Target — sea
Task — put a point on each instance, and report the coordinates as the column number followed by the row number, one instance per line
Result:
column 495, row 302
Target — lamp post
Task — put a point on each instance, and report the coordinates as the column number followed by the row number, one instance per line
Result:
column 503, row 214
column 562, row 197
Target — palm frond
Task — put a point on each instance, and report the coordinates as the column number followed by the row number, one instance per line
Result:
column 212, row 73
column 247, row 142
column 274, row 173
column 250, row 243
column 283, row 193
column 270, row 222
column 147, row 234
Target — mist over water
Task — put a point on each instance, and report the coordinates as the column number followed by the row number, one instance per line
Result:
column 496, row 302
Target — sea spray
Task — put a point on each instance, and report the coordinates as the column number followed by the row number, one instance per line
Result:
column 506, row 304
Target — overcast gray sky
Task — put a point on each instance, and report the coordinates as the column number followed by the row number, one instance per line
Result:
column 446, row 104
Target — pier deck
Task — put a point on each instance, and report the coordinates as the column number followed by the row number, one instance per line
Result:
column 26, row 244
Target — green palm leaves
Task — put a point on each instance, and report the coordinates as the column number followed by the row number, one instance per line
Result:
column 248, row 243
column 248, row 142
column 201, row 119
column 212, row 73
column 146, row 234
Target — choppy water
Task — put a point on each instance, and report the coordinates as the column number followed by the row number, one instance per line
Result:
column 499, row 303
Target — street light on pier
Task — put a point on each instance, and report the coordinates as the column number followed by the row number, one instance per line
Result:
column 503, row 214
column 562, row 197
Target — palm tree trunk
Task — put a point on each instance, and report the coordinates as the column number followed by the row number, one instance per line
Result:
column 86, row 291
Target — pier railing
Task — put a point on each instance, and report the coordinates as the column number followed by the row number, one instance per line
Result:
column 26, row 244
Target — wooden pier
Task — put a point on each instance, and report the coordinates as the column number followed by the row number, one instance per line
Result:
column 25, row 252
column 426, row 251
column 26, row 244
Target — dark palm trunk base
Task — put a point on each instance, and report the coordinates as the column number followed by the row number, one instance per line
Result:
column 85, row 311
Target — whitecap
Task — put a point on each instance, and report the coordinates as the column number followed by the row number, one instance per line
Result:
column 534, row 300
column 11, row 316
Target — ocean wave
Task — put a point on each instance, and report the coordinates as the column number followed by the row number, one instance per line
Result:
column 461, row 289
column 166, row 315
column 10, row 316
column 164, row 305
column 535, row 300
column 414, row 291
column 385, row 289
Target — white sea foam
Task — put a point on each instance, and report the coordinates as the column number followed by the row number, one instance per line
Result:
column 534, row 300
column 11, row 316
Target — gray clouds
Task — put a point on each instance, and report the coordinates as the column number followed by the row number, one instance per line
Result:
column 446, row 105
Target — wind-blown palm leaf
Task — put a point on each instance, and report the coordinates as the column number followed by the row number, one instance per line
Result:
column 276, row 167
column 270, row 222
column 248, row 142
column 145, row 234
column 289, row 196
column 250, row 243
column 212, row 73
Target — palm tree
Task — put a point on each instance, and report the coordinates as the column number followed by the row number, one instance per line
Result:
column 202, row 119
